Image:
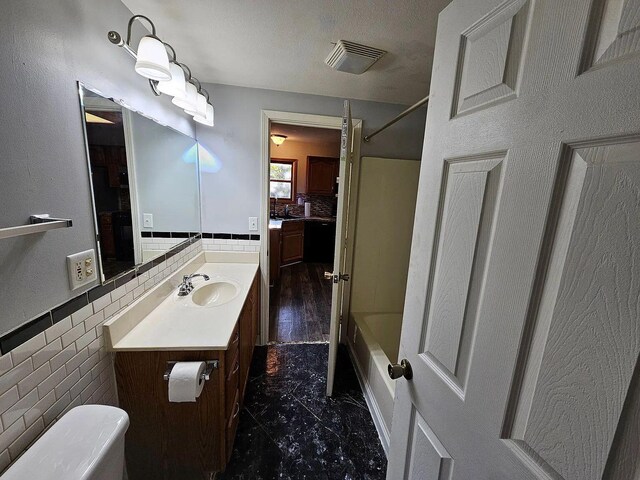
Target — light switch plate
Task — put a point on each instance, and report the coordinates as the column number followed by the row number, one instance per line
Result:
column 147, row 220
column 253, row 224
column 81, row 268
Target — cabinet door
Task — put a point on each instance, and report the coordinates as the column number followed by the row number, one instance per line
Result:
column 274, row 256
column 246, row 345
column 292, row 242
column 321, row 175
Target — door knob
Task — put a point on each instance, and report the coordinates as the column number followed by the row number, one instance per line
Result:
column 400, row 370
column 336, row 278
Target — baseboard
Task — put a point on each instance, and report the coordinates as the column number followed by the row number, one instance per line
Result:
column 372, row 403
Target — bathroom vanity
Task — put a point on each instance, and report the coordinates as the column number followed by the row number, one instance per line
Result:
column 217, row 322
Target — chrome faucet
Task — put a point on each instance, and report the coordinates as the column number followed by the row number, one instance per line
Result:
column 186, row 286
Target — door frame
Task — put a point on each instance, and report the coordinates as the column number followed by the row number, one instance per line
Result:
column 306, row 120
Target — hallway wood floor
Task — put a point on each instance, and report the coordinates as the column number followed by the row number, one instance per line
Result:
column 300, row 304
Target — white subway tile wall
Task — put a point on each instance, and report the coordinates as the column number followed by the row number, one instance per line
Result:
column 67, row 365
column 222, row 245
column 149, row 243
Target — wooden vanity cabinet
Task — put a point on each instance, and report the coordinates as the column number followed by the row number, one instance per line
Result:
column 186, row 441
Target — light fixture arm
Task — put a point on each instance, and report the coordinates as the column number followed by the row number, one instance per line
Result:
column 116, row 38
column 130, row 26
column 186, row 70
column 201, row 90
column 172, row 51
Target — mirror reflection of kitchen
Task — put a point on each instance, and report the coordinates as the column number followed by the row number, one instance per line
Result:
column 110, row 183
column 304, row 165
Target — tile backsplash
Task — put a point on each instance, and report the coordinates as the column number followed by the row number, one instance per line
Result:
column 63, row 363
column 321, row 205
column 230, row 242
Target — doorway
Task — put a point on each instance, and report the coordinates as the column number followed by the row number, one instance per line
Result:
column 331, row 126
column 304, row 167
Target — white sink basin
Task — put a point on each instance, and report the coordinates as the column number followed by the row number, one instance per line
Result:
column 214, row 294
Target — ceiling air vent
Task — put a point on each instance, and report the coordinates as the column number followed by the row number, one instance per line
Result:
column 352, row 57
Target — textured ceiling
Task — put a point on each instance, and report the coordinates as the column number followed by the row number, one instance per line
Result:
column 282, row 44
column 298, row 133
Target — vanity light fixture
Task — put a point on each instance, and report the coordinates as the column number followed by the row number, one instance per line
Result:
column 190, row 98
column 208, row 117
column 199, row 105
column 166, row 75
column 177, row 86
column 278, row 139
column 152, row 61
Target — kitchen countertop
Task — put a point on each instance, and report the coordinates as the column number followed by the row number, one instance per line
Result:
column 277, row 223
column 176, row 323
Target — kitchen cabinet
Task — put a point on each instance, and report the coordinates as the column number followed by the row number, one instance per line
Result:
column 319, row 241
column 292, row 241
column 186, row 441
column 274, row 255
column 322, row 173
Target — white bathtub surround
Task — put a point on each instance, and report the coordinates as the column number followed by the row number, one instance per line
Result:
column 67, row 365
column 222, row 245
column 374, row 341
column 163, row 320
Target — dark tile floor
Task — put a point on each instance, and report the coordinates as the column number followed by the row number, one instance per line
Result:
column 289, row 429
column 300, row 304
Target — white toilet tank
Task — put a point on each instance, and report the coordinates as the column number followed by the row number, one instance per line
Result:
column 85, row 444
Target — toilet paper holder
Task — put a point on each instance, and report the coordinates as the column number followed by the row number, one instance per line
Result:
column 206, row 375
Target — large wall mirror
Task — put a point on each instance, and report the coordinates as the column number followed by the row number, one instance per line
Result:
column 145, row 184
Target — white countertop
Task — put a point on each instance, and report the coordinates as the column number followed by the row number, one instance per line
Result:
column 176, row 323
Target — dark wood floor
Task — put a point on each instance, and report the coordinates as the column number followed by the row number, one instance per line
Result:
column 300, row 304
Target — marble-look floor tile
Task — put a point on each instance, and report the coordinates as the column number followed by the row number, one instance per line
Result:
column 289, row 429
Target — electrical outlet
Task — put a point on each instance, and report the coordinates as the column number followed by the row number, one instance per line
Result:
column 81, row 268
column 147, row 220
column 253, row 224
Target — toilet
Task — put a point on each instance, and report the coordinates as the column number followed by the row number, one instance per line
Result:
column 85, row 444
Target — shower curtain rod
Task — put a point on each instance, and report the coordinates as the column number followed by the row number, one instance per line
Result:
column 412, row 108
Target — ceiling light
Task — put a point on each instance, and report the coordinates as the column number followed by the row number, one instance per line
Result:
column 176, row 87
column 278, row 139
column 91, row 118
column 208, row 118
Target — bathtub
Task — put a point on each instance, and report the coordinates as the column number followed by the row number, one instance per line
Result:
column 374, row 340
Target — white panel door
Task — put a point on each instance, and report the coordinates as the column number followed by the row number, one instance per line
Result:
column 339, row 273
column 522, row 313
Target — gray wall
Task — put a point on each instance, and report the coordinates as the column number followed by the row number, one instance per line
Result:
column 231, row 189
column 46, row 48
column 166, row 176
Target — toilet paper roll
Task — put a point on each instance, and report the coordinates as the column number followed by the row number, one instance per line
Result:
column 307, row 209
column 185, row 382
